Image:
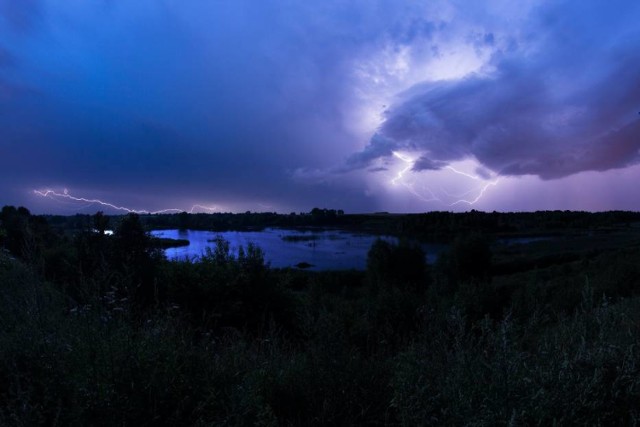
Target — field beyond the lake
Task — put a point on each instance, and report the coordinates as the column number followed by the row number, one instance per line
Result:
column 320, row 318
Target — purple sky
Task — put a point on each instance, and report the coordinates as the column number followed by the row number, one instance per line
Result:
column 363, row 105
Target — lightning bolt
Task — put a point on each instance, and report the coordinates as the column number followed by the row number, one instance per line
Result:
column 400, row 174
column 52, row 194
column 431, row 195
column 400, row 179
column 482, row 188
column 474, row 177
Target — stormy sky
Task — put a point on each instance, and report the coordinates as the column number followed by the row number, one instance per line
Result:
column 284, row 105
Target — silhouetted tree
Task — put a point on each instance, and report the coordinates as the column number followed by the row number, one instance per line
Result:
column 410, row 267
column 467, row 261
column 183, row 220
column 131, row 240
column 403, row 266
column 133, row 254
column 25, row 233
column 379, row 264
column 3, row 234
column 15, row 224
column 100, row 222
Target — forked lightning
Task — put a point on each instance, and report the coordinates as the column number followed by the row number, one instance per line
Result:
column 65, row 195
column 429, row 195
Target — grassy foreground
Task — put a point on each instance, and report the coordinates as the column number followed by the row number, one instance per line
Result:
column 102, row 330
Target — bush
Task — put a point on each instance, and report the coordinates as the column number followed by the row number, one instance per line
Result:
column 402, row 266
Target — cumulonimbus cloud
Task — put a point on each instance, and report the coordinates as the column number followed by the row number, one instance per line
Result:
column 567, row 105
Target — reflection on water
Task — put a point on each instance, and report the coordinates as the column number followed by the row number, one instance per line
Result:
column 323, row 249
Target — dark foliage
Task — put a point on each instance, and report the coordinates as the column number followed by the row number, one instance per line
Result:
column 467, row 261
column 102, row 330
column 400, row 266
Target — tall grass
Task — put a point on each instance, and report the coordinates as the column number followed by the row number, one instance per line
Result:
column 228, row 341
column 584, row 370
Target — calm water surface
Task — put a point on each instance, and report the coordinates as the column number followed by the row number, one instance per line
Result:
column 323, row 249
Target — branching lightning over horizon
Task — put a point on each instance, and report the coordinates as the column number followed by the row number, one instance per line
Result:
column 400, row 179
column 52, row 194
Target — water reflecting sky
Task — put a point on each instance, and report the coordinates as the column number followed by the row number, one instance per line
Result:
column 324, row 250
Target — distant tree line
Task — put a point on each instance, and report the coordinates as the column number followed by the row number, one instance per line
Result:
column 430, row 226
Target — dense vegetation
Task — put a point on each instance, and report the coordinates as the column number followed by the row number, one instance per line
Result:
column 432, row 226
column 103, row 330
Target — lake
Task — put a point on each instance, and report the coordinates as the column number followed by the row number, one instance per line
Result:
column 323, row 249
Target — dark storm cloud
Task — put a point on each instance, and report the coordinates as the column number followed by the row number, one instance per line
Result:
column 378, row 169
column 254, row 101
column 426, row 164
column 6, row 58
column 208, row 100
column 22, row 15
column 568, row 105
column 379, row 147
